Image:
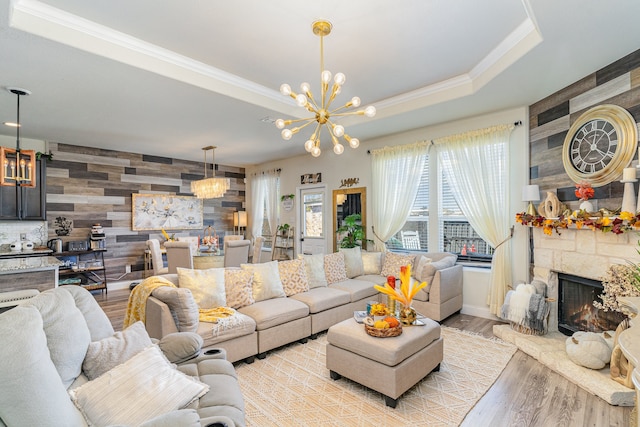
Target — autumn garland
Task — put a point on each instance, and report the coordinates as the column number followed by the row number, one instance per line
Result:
column 622, row 223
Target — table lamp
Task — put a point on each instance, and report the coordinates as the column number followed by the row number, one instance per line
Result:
column 531, row 193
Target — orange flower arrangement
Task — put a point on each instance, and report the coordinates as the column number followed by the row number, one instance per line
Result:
column 407, row 290
column 584, row 191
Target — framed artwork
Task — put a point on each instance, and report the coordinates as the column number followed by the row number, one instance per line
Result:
column 161, row 211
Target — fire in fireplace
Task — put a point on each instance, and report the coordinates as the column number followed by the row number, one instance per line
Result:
column 575, row 306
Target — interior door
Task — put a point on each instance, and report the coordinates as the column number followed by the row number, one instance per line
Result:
column 312, row 220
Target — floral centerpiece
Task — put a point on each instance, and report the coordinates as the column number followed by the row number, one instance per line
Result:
column 404, row 294
column 210, row 238
column 584, row 192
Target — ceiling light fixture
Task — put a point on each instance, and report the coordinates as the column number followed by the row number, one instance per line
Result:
column 17, row 166
column 210, row 188
column 320, row 110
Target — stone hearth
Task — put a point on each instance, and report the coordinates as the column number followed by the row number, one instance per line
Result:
column 549, row 350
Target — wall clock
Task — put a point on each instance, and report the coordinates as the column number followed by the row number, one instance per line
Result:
column 599, row 145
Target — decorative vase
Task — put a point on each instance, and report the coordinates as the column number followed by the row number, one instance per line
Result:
column 407, row 315
column 391, row 303
column 586, row 206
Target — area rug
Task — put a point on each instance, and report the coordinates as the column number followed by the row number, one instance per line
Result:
column 291, row 387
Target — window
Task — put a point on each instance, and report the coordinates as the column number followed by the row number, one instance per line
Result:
column 451, row 230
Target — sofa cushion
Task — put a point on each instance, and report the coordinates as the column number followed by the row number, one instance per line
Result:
column 181, row 304
column 315, row 270
column 97, row 321
column 358, row 289
column 371, row 262
column 180, row 346
column 420, row 262
column 207, row 286
column 429, row 270
column 146, row 377
column 238, row 287
column 110, row 352
column 353, row 261
column 68, row 335
column 235, row 326
column 334, row 268
column 266, row 280
column 320, row 299
column 31, row 390
column 274, row 312
column 293, row 274
column 393, row 262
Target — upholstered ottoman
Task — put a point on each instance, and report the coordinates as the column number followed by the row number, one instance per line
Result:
column 390, row 366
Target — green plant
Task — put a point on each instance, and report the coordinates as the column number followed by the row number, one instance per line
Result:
column 352, row 232
column 286, row 196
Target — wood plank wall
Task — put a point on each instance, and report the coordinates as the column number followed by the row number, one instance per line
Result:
column 91, row 185
column 551, row 118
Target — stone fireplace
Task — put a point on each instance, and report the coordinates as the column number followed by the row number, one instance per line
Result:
column 576, row 311
column 581, row 253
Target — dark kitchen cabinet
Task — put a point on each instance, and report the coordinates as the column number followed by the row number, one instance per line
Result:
column 26, row 203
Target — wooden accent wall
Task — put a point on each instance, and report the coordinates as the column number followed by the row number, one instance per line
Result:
column 551, row 118
column 91, row 185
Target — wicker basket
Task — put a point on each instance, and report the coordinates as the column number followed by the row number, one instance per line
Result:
column 383, row 333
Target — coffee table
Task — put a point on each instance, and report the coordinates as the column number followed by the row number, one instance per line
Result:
column 390, row 366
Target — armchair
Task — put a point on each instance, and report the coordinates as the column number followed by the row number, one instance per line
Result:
column 443, row 295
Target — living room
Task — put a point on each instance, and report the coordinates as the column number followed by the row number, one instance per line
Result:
column 91, row 182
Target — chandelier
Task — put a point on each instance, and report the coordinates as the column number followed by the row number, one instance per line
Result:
column 321, row 108
column 210, row 188
column 17, row 166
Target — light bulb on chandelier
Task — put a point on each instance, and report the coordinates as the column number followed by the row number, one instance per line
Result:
column 322, row 115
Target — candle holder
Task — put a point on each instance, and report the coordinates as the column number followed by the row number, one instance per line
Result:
column 629, row 197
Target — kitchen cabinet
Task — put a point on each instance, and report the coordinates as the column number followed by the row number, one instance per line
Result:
column 83, row 268
column 26, row 203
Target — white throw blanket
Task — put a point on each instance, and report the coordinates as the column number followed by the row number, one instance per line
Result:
column 516, row 307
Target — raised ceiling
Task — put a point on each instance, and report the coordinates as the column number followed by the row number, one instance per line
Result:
column 167, row 78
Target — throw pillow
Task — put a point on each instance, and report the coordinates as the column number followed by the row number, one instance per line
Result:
column 293, row 275
column 393, row 262
column 207, row 286
column 182, row 306
column 371, row 262
column 68, row 335
column 418, row 271
column 429, row 270
column 239, row 288
column 31, row 390
column 266, row 280
column 353, row 261
column 110, row 352
column 334, row 268
column 97, row 321
column 146, row 377
column 314, row 264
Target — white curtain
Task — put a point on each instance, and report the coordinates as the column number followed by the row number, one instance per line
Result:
column 258, row 195
column 396, row 175
column 476, row 166
column 272, row 199
column 265, row 187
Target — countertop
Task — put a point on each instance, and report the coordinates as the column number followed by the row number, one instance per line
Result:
column 40, row 251
column 37, row 263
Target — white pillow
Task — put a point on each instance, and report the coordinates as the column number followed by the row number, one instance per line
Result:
column 110, row 352
column 142, row 388
column 207, row 286
column 31, row 391
column 417, row 272
column 371, row 262
column 353, row 261
column 315, row 270
column 266, row 280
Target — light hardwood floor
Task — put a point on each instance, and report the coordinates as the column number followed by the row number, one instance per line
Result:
column 525, row 394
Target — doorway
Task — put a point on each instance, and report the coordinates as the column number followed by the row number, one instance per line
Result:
column 312, row 220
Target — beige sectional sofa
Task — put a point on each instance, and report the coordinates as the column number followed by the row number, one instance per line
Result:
column 318, row 291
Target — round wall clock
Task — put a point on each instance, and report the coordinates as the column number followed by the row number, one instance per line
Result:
column 599, row 145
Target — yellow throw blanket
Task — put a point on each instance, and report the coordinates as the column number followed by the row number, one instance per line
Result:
column 137, row 304
column 212, row 315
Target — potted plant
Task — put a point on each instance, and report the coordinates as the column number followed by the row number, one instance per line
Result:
column 352, row 232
